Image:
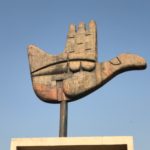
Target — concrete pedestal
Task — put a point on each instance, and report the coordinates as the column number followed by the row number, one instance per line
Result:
column 73, row 143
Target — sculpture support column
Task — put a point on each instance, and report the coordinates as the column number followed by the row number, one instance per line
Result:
column 63, row 110
column 63, row 119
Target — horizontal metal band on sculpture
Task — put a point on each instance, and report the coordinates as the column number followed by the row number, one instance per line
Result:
column 76, row 67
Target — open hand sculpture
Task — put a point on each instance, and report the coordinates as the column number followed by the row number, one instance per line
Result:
column 75, row 73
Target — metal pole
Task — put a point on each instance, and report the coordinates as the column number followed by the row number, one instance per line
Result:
column 63, row 111
column 63, row 119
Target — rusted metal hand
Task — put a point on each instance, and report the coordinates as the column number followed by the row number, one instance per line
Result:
column 75, row 73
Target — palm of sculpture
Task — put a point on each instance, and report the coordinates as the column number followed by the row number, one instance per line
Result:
column 75, row 72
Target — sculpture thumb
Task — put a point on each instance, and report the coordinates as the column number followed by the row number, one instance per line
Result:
column 120, row 64
column 83, row 83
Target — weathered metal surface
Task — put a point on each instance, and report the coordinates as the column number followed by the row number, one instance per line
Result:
column 77, row 67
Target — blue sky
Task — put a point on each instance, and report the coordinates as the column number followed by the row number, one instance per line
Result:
column 120, row 108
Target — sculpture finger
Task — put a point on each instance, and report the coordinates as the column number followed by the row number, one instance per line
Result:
column 90, row 45
column 91, row 37
column 78, row 47
column 70, row 44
